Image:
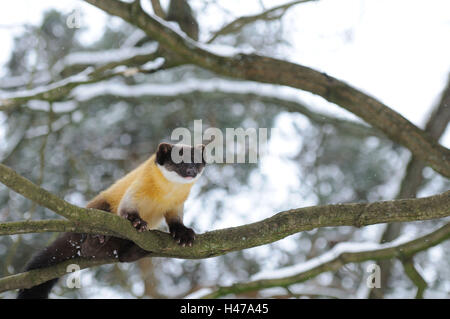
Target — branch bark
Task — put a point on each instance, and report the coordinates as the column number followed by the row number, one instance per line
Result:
column 269, row 70
column 50, row 225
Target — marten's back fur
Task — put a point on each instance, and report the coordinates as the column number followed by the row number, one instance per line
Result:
column 152, row 192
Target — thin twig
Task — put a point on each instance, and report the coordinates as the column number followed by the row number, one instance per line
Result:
column 267, row 15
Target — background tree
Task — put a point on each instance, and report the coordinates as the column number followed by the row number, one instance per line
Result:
column 77, row 117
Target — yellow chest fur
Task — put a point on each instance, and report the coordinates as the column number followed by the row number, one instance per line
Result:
column 152, row 194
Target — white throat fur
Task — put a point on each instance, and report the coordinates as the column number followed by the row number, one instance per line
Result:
column 173, row 177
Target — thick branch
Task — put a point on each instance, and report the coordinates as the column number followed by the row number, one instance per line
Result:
column 50, row 225
column 334, row 260
column 97, row 219
column 341, row 255
column 220, row 242
column 269, row 70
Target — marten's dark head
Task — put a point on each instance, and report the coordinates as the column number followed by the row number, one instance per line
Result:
column 180, row 163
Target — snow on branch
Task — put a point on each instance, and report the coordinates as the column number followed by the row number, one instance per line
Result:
column 285, row 97
column 47, row 92
column 74, row 62
column 96, row 58
column 18, row 81
column 60, row 90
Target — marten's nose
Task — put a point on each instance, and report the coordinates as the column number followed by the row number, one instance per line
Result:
column 191, row 172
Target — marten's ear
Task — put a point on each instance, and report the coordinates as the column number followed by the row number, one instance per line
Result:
column 163, row 153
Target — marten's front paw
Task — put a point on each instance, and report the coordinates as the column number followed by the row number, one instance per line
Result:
column 136, row 221
column 183, row 235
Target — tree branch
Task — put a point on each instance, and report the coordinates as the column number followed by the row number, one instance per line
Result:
column 436, row 125
column 157, row 8
column 50, row 225
column 33, row 277
column 180, row 11
column 76, row 62
column 412, row 181
column 59, row 90
column 107, row 59
column 415, row 276
column 269, row 70
column 236, row 25
column 220, row 242
column 341, row 255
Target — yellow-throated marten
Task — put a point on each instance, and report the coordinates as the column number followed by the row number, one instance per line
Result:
column 155, row 190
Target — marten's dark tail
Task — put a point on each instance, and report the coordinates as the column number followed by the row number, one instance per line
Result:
column 65, row 247
column 71, row 245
